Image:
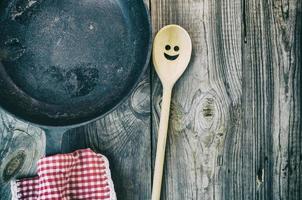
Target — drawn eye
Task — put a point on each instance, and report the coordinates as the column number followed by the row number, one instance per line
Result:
column 176, row 48
column 168, row 47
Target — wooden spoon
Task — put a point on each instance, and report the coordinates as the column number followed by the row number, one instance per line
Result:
column 172, row 50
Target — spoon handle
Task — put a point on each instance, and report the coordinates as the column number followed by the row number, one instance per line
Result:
column 161, row 143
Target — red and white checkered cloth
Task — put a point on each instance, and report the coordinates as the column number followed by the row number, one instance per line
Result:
column 82, row 174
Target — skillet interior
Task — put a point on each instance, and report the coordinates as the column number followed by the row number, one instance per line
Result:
column 64, row 62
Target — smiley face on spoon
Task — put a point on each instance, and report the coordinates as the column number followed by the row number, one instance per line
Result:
column 171, row 57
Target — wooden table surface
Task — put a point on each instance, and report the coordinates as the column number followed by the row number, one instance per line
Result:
column 235, row 129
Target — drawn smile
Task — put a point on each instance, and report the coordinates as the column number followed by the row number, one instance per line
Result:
column 171, row 57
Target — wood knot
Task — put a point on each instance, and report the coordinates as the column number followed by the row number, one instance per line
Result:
column 208, row 109
column 140, row 99
column 209, row 113
column 14, row 165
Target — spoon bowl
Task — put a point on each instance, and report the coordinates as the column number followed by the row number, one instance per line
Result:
column 172, row 50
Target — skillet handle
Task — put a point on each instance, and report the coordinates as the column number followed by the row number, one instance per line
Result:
column 54, row 137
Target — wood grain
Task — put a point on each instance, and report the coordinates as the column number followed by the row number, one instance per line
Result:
column 235, row 127
column 204, row 108
column 272, row 100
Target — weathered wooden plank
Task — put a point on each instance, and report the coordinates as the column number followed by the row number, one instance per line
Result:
column 235, row 128
column 206, row 101
column 272, row 100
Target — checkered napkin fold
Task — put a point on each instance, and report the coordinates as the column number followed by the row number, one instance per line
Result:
column 82, row 174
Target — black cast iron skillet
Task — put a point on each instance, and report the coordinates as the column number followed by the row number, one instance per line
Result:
column 64, row 63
